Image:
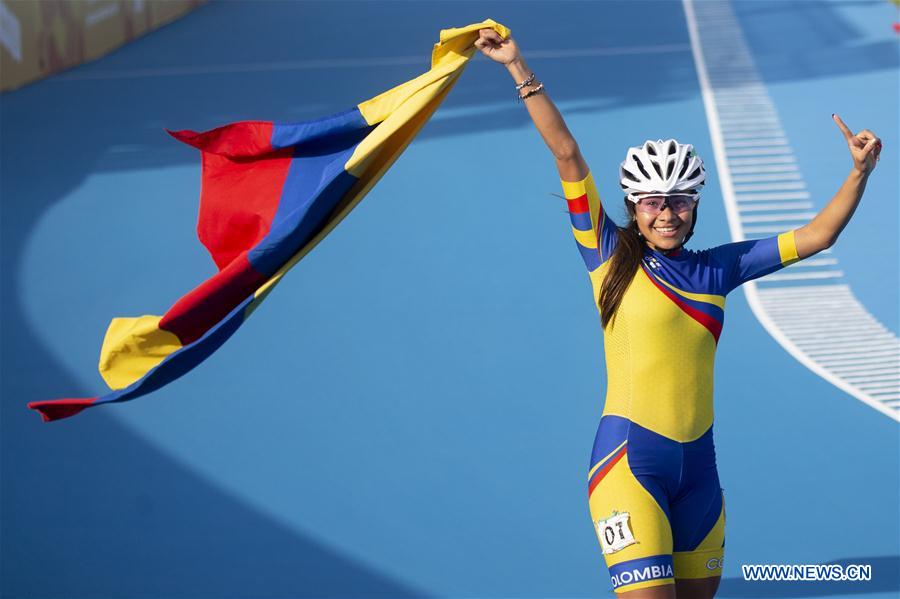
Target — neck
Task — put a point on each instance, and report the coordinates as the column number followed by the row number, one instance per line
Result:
column 662, row 251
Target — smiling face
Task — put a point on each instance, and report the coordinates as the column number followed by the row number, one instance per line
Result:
column 664, row 231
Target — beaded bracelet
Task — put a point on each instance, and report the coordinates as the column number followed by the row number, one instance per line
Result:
column 526, row 82
column 538, row 90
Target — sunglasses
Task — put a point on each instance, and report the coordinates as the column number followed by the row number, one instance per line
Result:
column 657, row 203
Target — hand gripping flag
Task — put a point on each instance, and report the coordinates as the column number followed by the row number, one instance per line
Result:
column 270, row 192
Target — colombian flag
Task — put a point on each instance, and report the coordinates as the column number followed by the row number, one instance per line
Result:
column 270, row 192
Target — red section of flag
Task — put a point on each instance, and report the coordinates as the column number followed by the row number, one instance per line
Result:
column 243, row 177
column 57, row 409
column 247, row 138
column 202, row 308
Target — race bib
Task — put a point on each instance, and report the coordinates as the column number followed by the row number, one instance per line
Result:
column 615, row 532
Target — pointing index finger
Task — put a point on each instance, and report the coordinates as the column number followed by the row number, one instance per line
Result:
column 844, row 129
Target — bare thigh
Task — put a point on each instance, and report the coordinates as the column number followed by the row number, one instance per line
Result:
column 685, row 588
column 696, row 588
column 666, row 591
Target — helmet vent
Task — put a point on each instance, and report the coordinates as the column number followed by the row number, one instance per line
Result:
column 641, row 167
column 683, row 169
column 695, row 174
column 658, row 171
column 629, row 176
column 650, row 149
column 669, row 169
column 672, row 148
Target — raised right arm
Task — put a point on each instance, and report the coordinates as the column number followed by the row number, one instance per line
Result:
column 594, row 232
column 550, row 124
column 543, row 112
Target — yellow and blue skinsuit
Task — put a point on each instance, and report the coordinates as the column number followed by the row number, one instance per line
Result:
column 653, row 487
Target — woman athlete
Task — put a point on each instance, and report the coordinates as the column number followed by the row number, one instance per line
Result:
column 653, row 487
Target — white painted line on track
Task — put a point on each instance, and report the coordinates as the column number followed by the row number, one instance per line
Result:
column 831, row 274
column 771, row 230
column 739, row 119
column 893, row 377
column 346, row 63
column 771, row 186
column 858, row 356
column 751, row 133
column 814, row 262
column 760, row 151
column 835, row 337
column 768, row 218
column 760, row 161
column 758, row 197
column 848, row 348
column 794, row 176
column 775, row 168
column 864, row 369
column 883, row 357
column 780, row 206
column 758, row 141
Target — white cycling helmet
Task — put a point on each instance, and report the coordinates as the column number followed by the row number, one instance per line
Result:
column 661, row 167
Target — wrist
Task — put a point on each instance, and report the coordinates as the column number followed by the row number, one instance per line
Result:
column 518, row 69
column 859, row 174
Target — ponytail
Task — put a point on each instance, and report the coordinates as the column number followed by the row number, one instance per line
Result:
column 622, row 267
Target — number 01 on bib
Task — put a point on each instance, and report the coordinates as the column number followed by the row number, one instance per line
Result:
column 615, row 532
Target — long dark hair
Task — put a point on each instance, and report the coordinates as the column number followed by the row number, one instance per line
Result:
column 624, row 263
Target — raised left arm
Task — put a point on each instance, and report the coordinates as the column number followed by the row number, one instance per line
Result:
column 823, row 230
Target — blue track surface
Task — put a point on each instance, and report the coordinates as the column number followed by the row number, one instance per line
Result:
column 411, row 412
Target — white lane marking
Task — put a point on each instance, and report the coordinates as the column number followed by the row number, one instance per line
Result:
column 781, row 206
column 609, row 51
column 890, row 356
column 744, row 103
column 772, row 230
column 861, row 326
column 347, row 63
column 833, row 337
column 858, row 357
column 771, row 186
column 831, row 274
column 848, row 348
column 841, row 290
column 794, row 176
column 814, row 324
column 758, row 197
column 759, row 94
column 760, row 151
column 805, row 318
column 814, row 262
column 866, row 369
column 750, row 121
column 776, row 168
column 768, row 218
column 759, row 161
column 757, row 141
column 729, row 46
column 750, row 133
column 892, row 385
column 875, row 378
